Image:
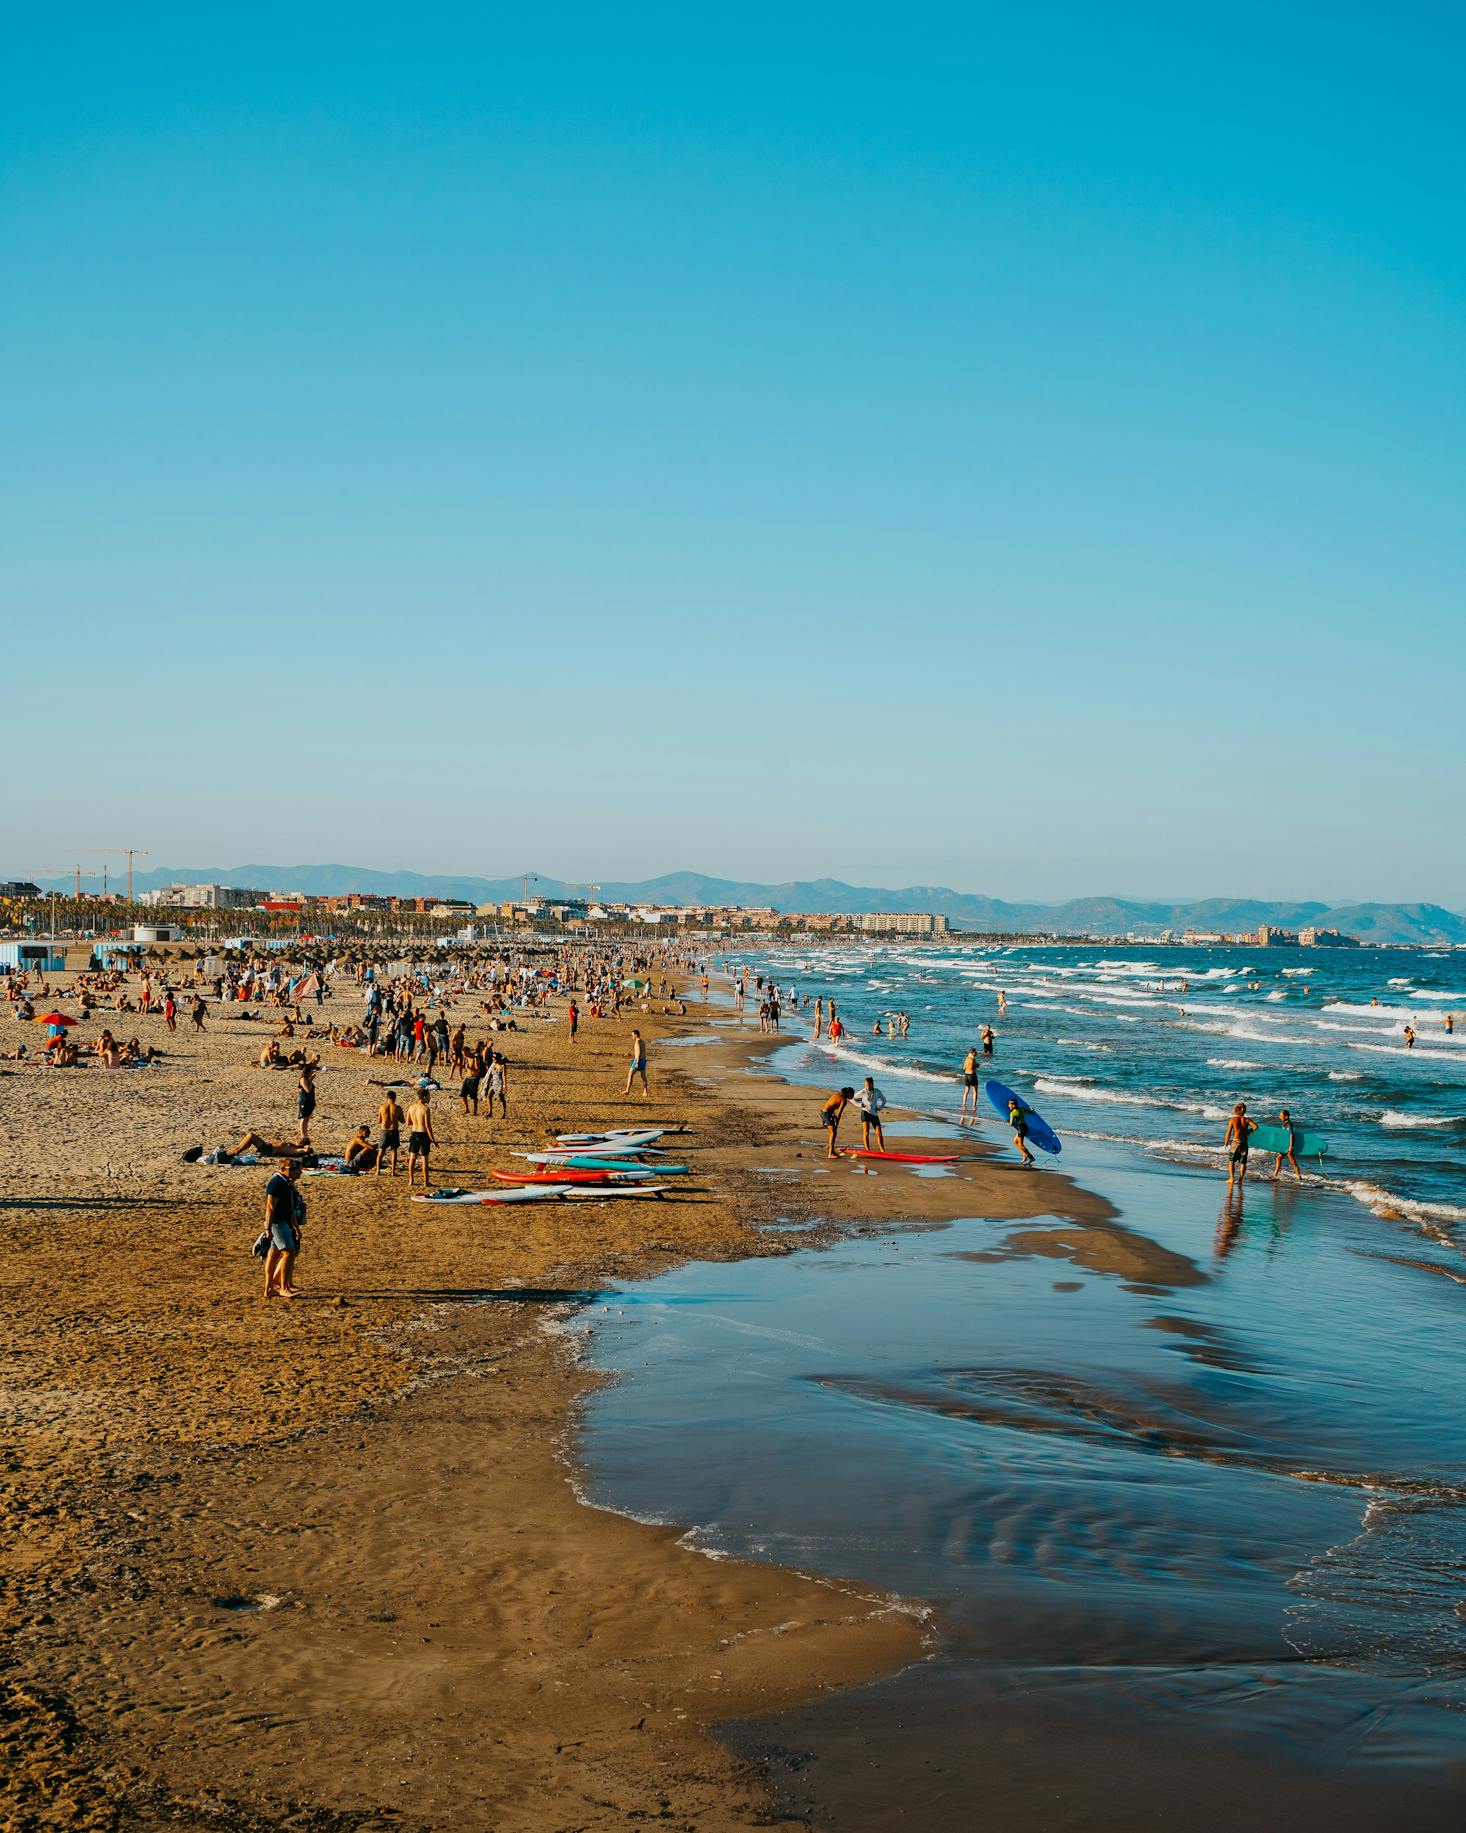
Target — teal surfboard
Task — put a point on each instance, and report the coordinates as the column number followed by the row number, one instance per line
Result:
column 1275, row 1139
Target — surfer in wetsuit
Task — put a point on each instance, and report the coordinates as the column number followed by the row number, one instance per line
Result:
column 1018, row 1120
column 1238, row 1142
column 1286, row 1123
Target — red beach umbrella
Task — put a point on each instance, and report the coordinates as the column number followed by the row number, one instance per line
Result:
column 55, row 1018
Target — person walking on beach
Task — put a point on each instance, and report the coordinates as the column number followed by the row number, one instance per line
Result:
column 1018, row 1120
column 638, row 1065
column 496, row 1085
column 969, row 1080
column 419, row 1135
column 871, row 1101
column 284, row 1217
column 305, row 1101
column 1237, row 1143
column 819, row 1014
column 1286, row 1123
column 197, row 1014
column 389, row 1119
column 830, row 1115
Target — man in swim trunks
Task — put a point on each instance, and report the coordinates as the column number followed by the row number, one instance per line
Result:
column 389, row 1119
column 267, row 1148
column 987, row 1040
column 1237, row 1143
column 419, row 1135
column 638, row 1065
column 969, row 1080
column 284, row 1216
column 830, row 1115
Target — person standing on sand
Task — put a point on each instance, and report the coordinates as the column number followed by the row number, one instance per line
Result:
column 1286, row 1122
column 389, row 1119
column 830, row 1115
column 419, row 1135
column 572, row 1016
column 284, row 1218
column 969, row 1080
column 638, row 1065
column 1018, row 1120
column 871, row 1102
column 1237, row 1143
column 197, row 1014
column 305, row 1101
column 170, row 1010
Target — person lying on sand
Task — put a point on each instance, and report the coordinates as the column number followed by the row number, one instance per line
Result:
column 268, row 1148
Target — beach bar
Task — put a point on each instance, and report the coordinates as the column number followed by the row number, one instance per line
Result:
column 41, row 955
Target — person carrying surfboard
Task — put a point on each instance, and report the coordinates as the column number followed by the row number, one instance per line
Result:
column 871, row 1102
column 1239, row 1136
column 1285, row 1121
column 830, row 1114
column 1018, row 1120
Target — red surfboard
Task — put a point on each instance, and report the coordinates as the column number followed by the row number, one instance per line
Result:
column 904, row 1158
column 562, row 1177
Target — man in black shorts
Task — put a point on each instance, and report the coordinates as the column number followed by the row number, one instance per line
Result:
column 419, row 1135
column 1238, row 1143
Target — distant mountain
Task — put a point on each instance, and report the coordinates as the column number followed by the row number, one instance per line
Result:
column 1424, row 924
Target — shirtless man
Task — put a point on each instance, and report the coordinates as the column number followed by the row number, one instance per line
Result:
column 638, row 1065
column 420, row 1140
column 360, row 1153
column 389, row 1119
column 268, row 1148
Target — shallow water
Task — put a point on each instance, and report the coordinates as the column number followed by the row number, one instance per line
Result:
column 1187, row 1494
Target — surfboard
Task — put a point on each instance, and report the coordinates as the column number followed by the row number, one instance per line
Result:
column 903, row 1158
column 538, row 1192
column 572, row 1177
column 1040, row 1133
column 621, row 1139
column 1275, row 1139
column 578, row 1163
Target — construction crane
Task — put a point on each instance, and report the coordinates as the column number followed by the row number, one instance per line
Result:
column 132, row 852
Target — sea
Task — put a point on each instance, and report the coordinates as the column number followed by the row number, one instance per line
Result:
column 1181, row 1497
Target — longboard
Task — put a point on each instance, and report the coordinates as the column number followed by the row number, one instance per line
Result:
column 1040, row 1133
column 1275, row 1139
column 903, row 1158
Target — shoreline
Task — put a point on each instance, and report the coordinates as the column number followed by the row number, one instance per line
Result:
column 205, row 1611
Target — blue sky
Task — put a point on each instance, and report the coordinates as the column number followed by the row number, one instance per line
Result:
column 1021, row 448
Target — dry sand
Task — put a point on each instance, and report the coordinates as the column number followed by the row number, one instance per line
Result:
column 321, row 1564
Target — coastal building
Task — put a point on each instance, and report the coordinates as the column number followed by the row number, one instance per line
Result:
column 19, row 888
column 901, row 922
column 201, row 897
column 1326, row 938
column 1268, row 937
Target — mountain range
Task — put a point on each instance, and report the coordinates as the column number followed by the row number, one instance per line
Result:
column 1424, row 924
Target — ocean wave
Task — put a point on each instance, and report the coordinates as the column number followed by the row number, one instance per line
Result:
column 1404, row 1050
column 880, row 1066
column 1386, row 1203
column 1078, row 1089
column 1233, row 1063
column 1392, row 1117
column 1345, row 1075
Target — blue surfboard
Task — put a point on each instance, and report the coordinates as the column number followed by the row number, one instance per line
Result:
column 1040, row 1133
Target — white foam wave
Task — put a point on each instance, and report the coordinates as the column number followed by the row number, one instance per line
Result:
column 1392, row 1117
column 1233, row 1063
column 1386, row 1203
column 1345, row 1075
column 1404, row 1050
column 880, row 1066
column 1079, row 1090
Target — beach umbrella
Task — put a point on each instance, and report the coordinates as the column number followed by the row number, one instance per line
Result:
column 55, row 1018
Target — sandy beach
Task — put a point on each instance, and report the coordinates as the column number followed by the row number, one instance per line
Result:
column 324, row 1564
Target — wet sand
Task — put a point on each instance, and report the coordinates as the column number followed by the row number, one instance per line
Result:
column 323, row 1564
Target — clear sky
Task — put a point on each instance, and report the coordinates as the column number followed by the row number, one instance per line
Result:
column 1018, row 447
